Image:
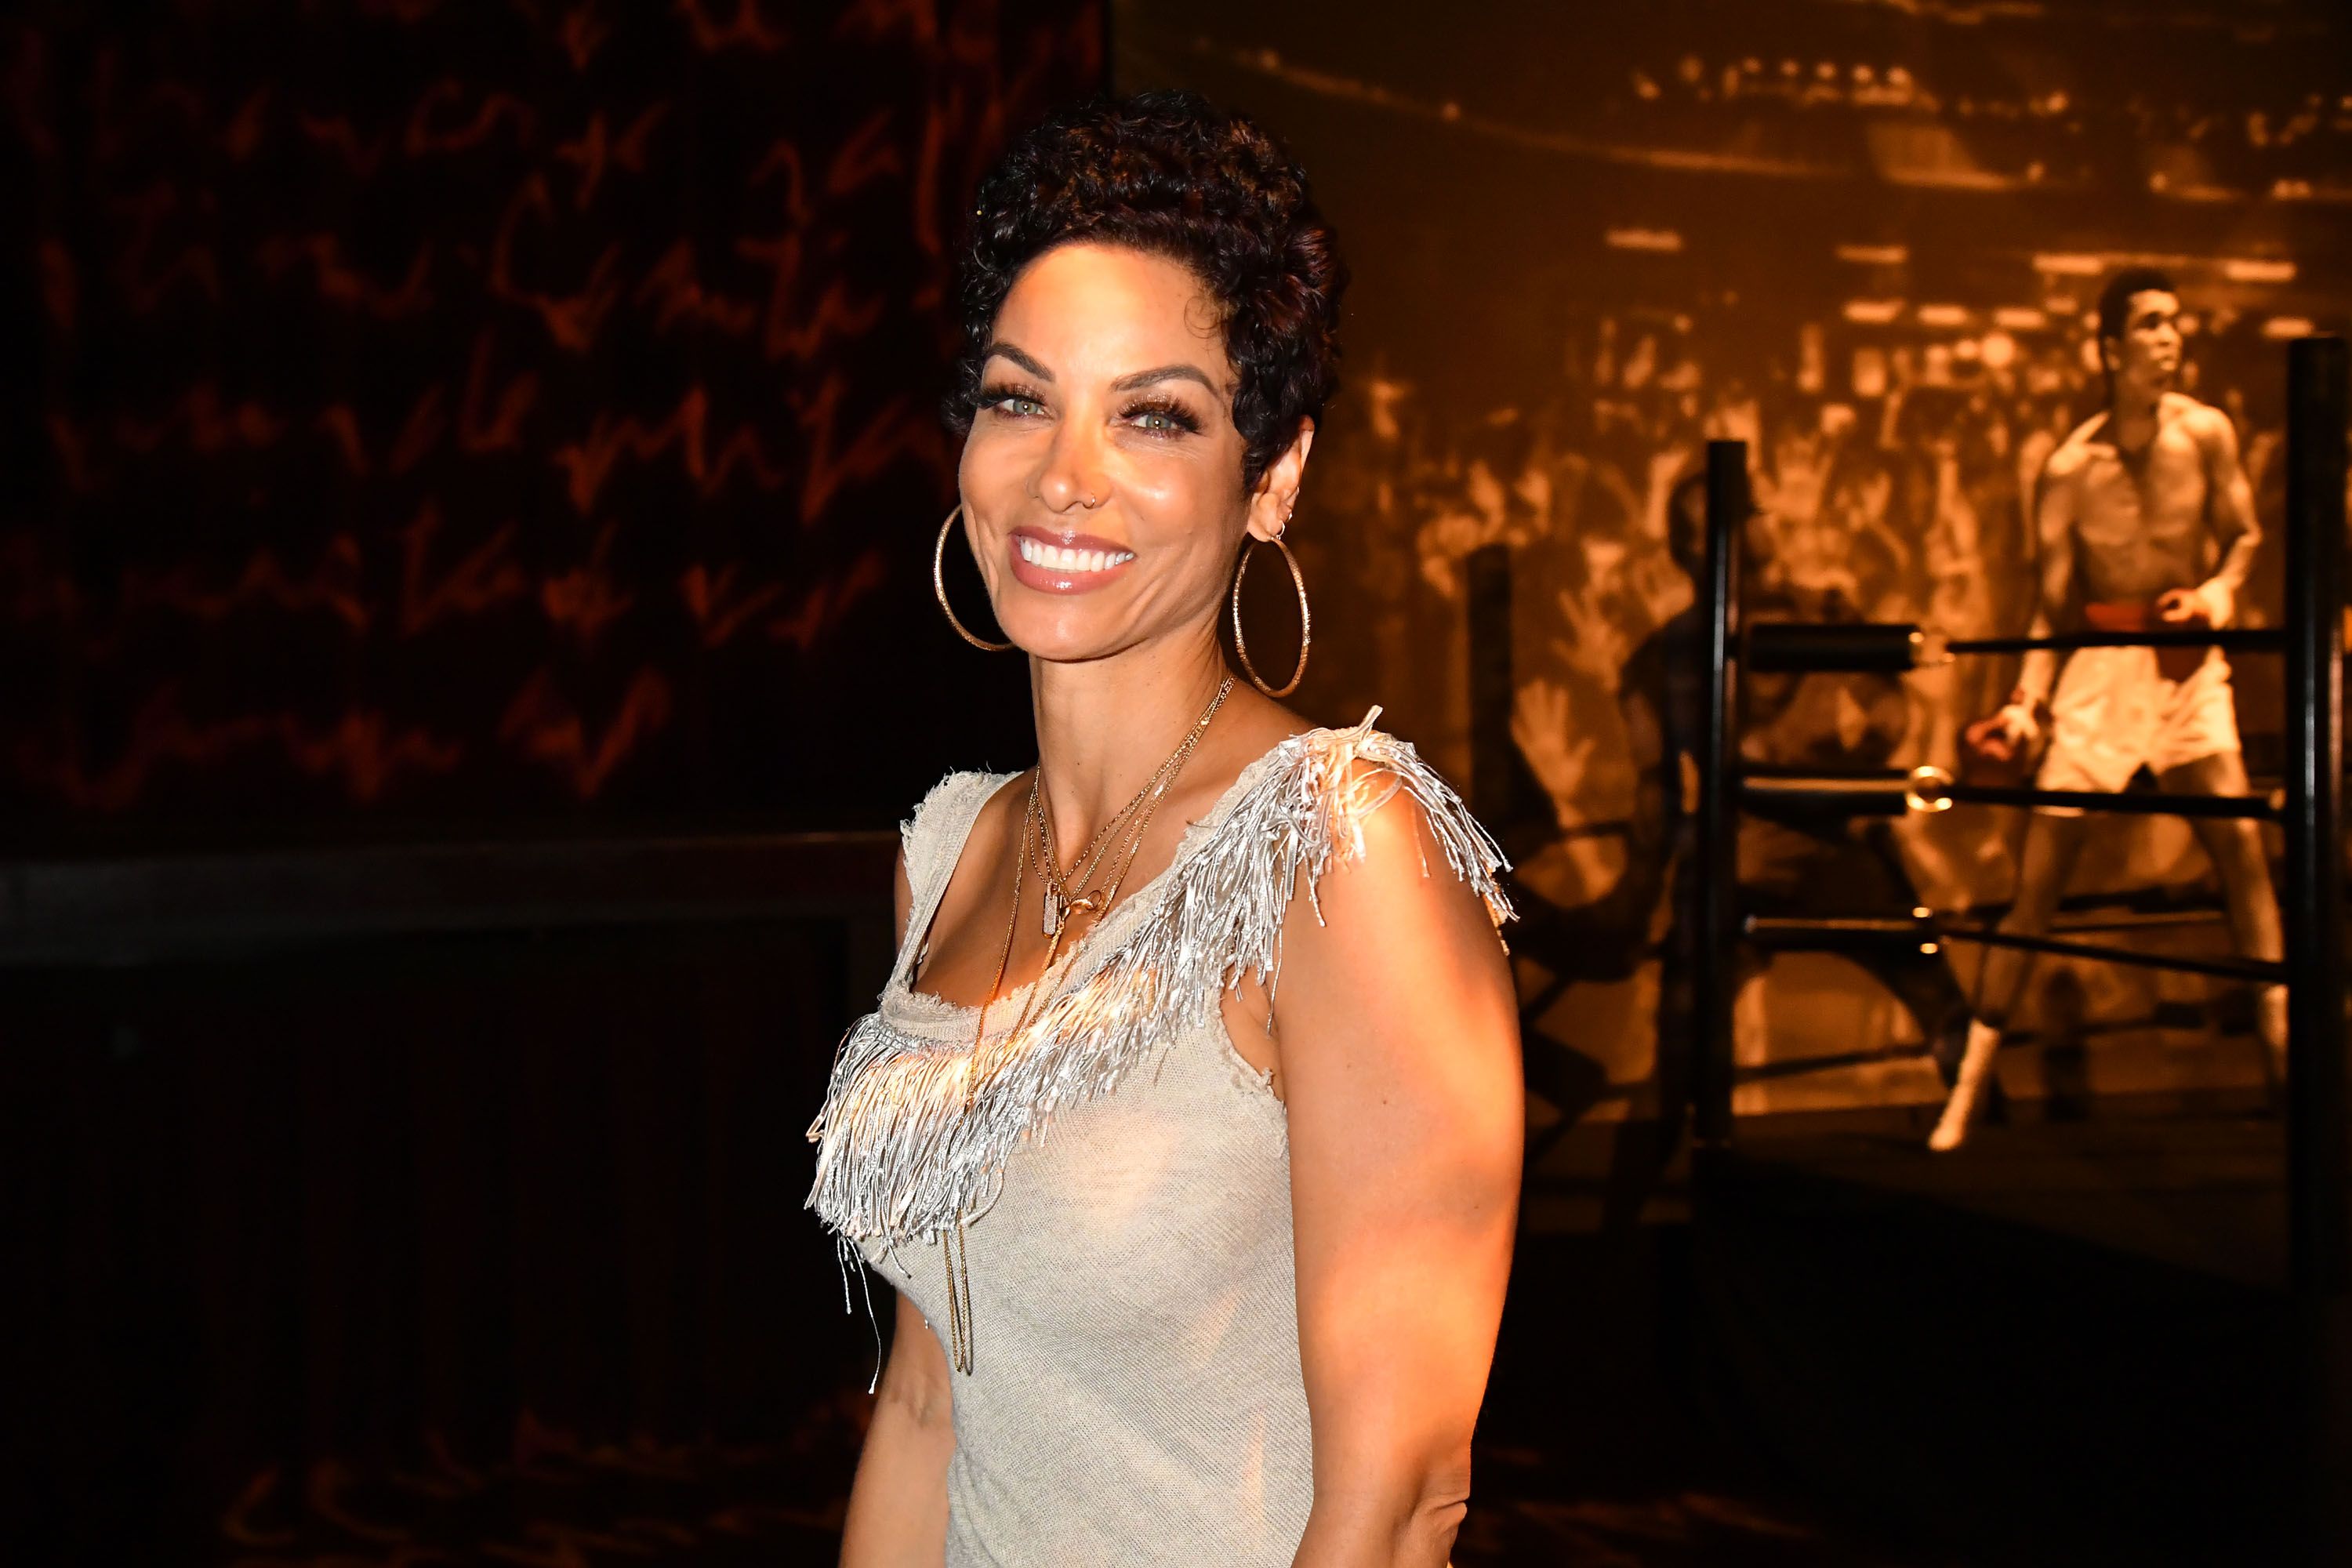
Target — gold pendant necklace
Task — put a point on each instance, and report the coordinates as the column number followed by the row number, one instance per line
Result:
column 1060, row 902
column 1059, row 899
column 1060, row 905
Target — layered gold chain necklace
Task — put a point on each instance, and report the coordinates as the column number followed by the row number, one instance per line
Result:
column 1066, row 895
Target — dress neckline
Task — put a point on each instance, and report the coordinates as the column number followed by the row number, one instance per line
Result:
column 925, row 1007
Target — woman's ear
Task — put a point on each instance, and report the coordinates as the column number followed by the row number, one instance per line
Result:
column 1276, row 495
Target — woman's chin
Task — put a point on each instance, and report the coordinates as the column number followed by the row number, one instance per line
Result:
column 1065, row 639
column 1063, row 650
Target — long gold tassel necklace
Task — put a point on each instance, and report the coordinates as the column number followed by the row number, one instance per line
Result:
column 1066, row 895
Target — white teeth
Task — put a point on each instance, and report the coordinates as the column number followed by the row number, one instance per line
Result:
column 1061, row 558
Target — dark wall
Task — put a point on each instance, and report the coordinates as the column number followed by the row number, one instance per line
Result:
column 484, row 423
column 437, row 416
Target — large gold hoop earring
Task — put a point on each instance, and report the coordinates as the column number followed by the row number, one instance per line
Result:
column 1306, row 620
column 939, row 586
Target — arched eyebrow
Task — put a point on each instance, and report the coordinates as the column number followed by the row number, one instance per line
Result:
column 1165, row 372
column 1018, row 356
column 1127, row 382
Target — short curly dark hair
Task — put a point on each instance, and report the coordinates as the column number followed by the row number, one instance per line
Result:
column 2114, row 305
column 1167, row 174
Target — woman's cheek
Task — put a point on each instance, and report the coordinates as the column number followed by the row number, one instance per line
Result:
column 991, row 458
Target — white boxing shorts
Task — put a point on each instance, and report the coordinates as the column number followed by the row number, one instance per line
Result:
column 2115, row 712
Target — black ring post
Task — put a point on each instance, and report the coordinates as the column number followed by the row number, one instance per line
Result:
column 2320, row 1255
column 1727, row 518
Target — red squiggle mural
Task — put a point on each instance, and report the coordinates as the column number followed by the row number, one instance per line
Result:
column 344, row 284
column 398, row 427
column 34, row 592
column 497, row 109
column 341, row 425
column 331, row 586
column 208, row 425
column 675, row 294
column 419, row 433
column 573, row 321
column 241, row 137
column 148, row 283
column 481, row 428
column 748, row 29
column 543, row 726
column 586, row 600
column 715, row 604
column 880, row 20
column 589, row 151
column 721, row 610
column 361, row 157
column 832, row 464
column 362, row 747
column 590, row 462
column 791, row 331
column 481, row 580
column 823, row 607
column 583, row 35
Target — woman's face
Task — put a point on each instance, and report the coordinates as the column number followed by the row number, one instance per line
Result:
column 1101, row 481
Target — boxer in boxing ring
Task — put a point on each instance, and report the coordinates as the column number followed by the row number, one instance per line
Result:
column 2144, row 519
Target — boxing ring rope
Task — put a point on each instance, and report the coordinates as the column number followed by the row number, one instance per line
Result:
column 1896, row 648
column 2309, row 808
column 1927, row 930
column 1931, row 789
column 1790, row 931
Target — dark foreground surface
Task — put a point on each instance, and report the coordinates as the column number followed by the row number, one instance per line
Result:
column 304, row 1241
column 1591, row 1460
column 782, row 1506
column 1849, row 1359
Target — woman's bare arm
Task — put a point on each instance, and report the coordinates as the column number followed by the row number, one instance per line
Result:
column 1399, row 1040
column 899, row 1503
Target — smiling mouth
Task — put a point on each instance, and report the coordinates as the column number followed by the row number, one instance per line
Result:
column 1061, row 558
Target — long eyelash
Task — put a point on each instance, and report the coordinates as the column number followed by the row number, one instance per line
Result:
column 997, row 392
column 1175, row 412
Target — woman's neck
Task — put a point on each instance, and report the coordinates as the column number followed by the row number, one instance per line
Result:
column 1104, row 726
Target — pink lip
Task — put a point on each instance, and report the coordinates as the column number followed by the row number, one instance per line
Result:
column 1054, row 580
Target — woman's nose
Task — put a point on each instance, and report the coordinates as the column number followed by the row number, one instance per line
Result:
column 1073, row 476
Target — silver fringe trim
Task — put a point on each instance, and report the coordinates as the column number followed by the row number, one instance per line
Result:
column 900, row 1158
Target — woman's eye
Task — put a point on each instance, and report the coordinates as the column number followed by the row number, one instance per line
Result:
column 1163, row 421
column 1021, row 407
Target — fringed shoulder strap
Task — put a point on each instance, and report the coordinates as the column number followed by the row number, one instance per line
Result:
column 932, row 840
column 1307, row 811
column 914, row 1133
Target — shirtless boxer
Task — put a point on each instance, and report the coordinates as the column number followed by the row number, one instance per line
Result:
column 2131, row 511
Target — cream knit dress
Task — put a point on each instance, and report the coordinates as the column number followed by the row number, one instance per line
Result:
column 1122, row 1177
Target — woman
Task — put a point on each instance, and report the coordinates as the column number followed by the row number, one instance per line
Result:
column 1192, row 1266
